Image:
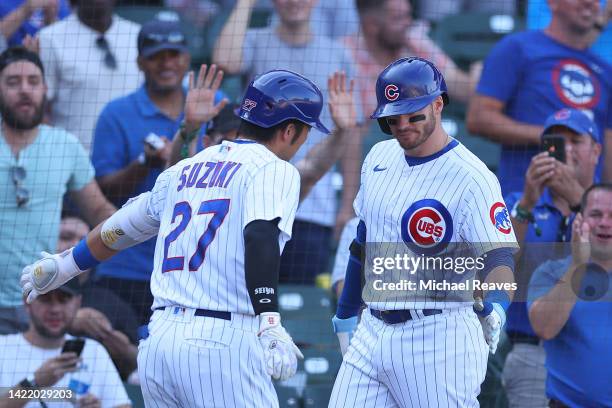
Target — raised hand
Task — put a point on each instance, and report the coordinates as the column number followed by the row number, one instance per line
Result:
column 540, row 171
column 200, row 102
column 341, row 101
column 581, row 247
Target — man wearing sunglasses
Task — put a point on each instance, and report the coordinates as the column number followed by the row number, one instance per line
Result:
column 90, row 58
column 38, row 164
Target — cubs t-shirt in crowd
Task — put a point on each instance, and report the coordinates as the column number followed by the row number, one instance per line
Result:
column 535, row 76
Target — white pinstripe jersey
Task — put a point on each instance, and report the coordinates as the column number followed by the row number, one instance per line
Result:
column 203, row 205
column 425, row 204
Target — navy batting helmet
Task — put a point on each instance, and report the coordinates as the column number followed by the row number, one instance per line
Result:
column 407, row 86
column 280, row 95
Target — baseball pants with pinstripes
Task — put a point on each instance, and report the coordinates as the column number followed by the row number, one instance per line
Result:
column 429, row 361
column 194, row 361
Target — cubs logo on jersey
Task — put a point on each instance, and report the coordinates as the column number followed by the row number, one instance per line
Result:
column 500, row 217
column 427, row 226
column 575, row 84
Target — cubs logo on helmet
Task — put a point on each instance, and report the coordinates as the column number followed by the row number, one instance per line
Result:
column 427, row 226
column 500, row 217
column 576, row 84
column 392, row 92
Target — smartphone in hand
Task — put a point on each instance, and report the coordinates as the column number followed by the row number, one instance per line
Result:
column 555, row 146
column 74, row 346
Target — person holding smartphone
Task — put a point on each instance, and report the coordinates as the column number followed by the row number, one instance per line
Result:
column 542, row 214
column 45, row 357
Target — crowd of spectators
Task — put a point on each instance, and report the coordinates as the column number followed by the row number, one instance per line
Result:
column 95, row 105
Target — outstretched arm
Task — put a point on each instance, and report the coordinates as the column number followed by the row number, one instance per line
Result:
column 129, row 226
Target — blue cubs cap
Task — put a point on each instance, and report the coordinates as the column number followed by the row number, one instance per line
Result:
column 160, row 35
column 572, row 119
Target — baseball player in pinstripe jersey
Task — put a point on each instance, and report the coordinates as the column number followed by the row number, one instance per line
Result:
column 223, row 217
column 424, row 191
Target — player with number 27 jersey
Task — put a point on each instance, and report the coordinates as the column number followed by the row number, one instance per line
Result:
column 203, row 202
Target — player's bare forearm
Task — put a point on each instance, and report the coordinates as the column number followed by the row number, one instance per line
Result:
column 607, row 162
column 228, row 48
column 123, row 182
column 503, row 278
column 550, row 313
column 485, row 118
column 320, row 159
column 96, row 245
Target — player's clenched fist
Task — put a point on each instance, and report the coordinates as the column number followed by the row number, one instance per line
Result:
column 280, row 351
column 492, row 318
column 48, row 273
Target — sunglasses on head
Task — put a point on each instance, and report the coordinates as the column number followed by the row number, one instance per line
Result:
column 169, row 38
column 22, row 195
column 109, row 58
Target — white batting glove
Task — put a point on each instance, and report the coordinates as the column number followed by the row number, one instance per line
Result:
column 280, row 351
column 344, row 329
column 48, row 273
column 492, row 318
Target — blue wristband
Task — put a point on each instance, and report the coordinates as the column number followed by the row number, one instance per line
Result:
column 83, row 257
column 500, row 297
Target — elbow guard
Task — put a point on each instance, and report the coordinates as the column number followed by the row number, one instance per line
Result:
column 130, row 225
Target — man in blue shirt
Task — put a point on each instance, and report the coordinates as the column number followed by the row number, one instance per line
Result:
column 570, row 307
column 541, row 215
column 529, row 75
column 20, row 18
column 127, row 160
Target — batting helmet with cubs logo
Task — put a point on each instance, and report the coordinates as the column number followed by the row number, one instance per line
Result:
column 281, row 95
column 407, row 86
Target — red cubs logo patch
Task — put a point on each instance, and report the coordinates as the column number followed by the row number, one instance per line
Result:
column 391, row 92
column 427, row 226
column 500, row 217
column 248, row 104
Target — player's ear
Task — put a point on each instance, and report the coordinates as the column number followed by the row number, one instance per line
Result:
column 288, row 133
column 438, row 104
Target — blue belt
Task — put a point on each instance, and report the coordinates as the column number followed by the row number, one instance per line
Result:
column 400, row 316
column 205, row 313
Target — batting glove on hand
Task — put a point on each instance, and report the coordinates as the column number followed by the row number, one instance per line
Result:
column 344, row 329
column 280, row 351
column 48, row 273
column 492, row 318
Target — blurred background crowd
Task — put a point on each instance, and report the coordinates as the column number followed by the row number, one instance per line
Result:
column 95, row 123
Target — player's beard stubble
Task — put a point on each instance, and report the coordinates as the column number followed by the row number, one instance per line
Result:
column 18, row 121
column 415, row 137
